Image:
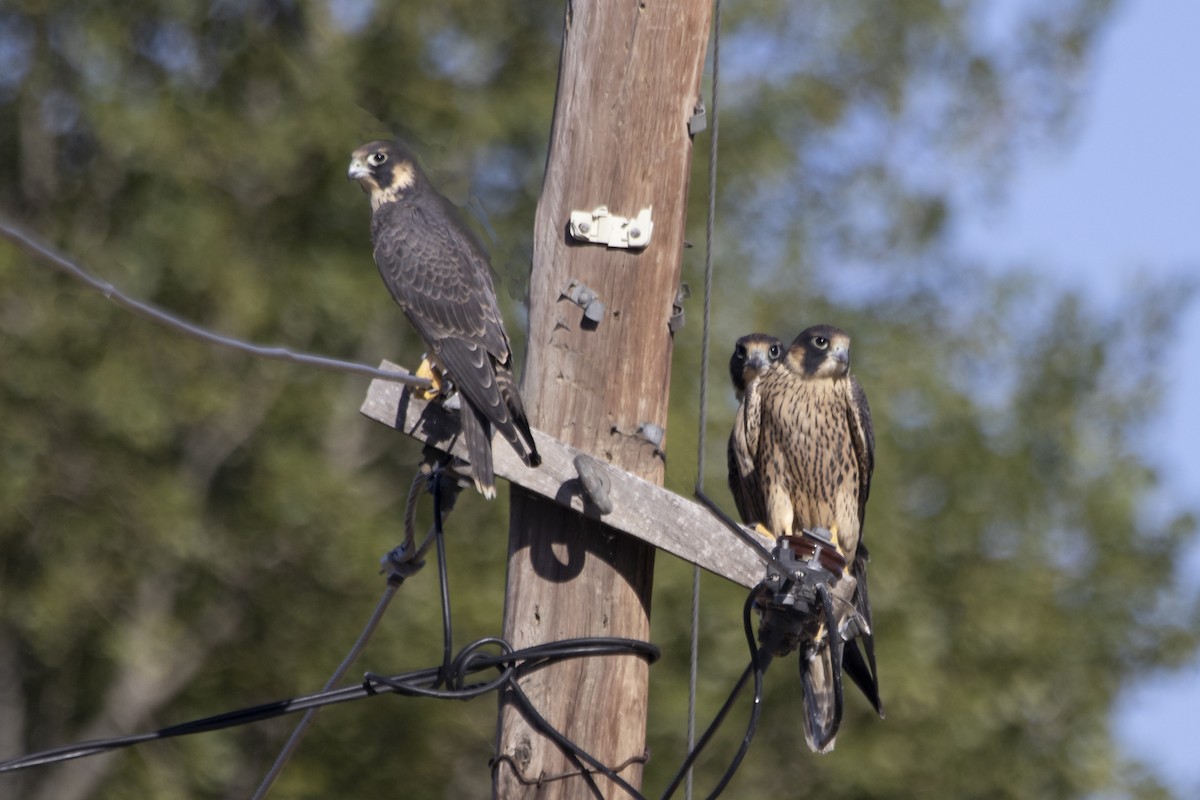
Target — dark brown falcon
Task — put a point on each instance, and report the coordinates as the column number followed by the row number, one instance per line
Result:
column 813, row 453
column 441, row 278
column 753, row 354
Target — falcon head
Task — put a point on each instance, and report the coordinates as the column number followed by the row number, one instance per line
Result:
column 384, row 170
column 752, row 354
column 821, row 351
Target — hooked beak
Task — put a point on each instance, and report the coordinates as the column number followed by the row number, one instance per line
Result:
column 358, row 170
column 757, row 360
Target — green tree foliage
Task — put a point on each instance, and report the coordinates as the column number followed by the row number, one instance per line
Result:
column 186, row 530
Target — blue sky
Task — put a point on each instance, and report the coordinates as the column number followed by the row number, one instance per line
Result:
column 1115, row 205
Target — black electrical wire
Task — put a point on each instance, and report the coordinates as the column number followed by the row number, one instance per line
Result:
column 463, row 664
column 759, row 659
column 306, row 721
column 766, row 555
column 453, row 670
column 415, row 682
column 447, row 681
column 573, row 751
column 435, row 482
column 425, row 682
column 422, row 683
column 395, row 578
column 450, row 681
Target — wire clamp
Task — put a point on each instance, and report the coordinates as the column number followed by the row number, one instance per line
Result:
column 400, row 563
column 798, row 587
column 806, row 560
column 600, row 227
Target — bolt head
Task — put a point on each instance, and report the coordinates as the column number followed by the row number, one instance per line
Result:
column 585, row 227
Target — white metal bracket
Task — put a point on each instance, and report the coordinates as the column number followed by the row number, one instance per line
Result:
column 601, row 227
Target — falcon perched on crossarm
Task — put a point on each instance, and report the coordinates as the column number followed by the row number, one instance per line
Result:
column 753, row 354
column 442, row 280
column 804, row 427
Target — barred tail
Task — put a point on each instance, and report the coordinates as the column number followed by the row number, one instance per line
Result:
column 477, row 436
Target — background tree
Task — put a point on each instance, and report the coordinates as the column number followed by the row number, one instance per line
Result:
column 184, row 530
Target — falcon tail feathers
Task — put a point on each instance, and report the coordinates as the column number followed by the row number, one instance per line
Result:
column 864, row 678
column 488, row 386
column 528, row 454
column 478, row 440
column 512, row 399
column 820, row 675
column 862, row 670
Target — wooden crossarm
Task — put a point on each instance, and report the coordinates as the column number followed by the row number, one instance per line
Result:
column 639, row 508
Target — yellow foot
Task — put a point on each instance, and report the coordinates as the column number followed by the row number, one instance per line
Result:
column 833, row 533
column 760, row 528
column 427, row 370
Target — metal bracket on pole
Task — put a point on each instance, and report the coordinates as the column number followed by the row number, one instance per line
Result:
column 600, row 227
column 587, row 299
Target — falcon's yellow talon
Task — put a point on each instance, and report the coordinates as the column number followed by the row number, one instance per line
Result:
column 427, row 370
column 833, row 534
column 760, row 528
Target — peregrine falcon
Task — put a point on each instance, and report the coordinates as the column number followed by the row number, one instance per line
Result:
column 441, row 279
column 753, row 354
column 813, row 453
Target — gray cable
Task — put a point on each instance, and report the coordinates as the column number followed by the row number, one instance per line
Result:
column 693, row 672
column 302, row 727
column 47, row 255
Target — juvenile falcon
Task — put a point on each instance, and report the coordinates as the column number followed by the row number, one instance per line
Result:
column 441, row 279
column 753, row 354
column 813, row 454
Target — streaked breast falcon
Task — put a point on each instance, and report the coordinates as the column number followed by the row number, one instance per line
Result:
column 813, row 458
column 753, row 354
column 441, row 279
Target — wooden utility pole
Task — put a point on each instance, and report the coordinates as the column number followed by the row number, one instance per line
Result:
column 628, row 83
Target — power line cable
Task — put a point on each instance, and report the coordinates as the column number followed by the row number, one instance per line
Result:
column 416, row 683
column 702, row 438
column 306, row 721
column 759, row 659
column 47, row 255
column 449, row 681
column 443, row 577
column 708, row 246
column 396, row 574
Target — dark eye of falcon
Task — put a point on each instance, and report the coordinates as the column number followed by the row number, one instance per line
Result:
column 739, row 353
column 377, row 158
column 774, row 352
column 821, row 342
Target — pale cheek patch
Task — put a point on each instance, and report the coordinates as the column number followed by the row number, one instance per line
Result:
column 403, row 177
